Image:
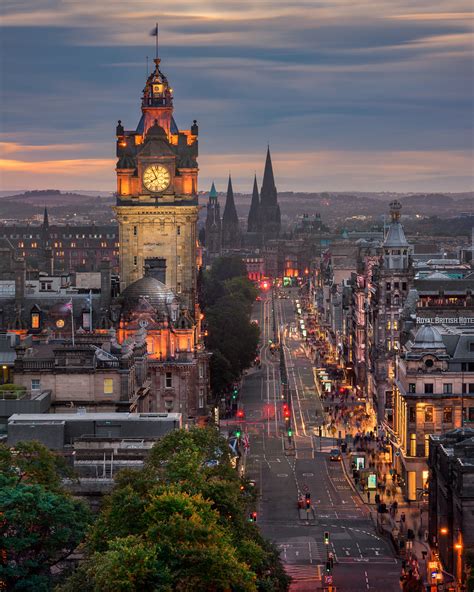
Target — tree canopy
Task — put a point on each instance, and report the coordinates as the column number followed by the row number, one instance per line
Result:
column 179, row 524
column 40, row 523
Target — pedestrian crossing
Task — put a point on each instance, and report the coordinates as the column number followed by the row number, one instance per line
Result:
column 303, row 573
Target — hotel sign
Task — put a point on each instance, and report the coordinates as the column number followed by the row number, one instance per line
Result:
column 445, row 320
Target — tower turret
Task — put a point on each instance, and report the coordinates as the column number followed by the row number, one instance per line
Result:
column 157, row 100
column 213, row 224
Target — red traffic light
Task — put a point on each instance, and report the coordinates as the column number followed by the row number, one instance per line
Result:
column 240, row 413
column 253, row 517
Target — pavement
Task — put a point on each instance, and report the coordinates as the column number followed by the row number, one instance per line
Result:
column 285, row 469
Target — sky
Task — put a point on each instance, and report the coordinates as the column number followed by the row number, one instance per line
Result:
column 350, row 94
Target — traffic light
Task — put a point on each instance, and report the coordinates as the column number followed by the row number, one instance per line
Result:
column 253, row 517
column 308, row 500
column 290, row 432
column 326, row 538
column 237, row 433
column 328, row 566
column 235, row 392
column 286, row 411
column 240, row 413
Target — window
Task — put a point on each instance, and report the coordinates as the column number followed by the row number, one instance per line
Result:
column 429, row 363
column 387, row 301
column 471, row 346
column 427, row 444
column 201, row 398
column 35, row 320
column 135, row 231
column 389, row 345
column 178, row 287
column 168, row 380
column 201, row 371
column 178, row 258
column 389, row 286
column 389, row 325
column 396, row 285
column 470, row 415
column 178, row 230
column 135, row 260
column 447, row 388
column 412, row 444
column 429, row 414
column 429, row 388
column 448, row 415
column 35, row 384
column 412, row 387
column 404, row 286
column 412, row 414
column 470, row 388
column 395, row 325
column 108, row 386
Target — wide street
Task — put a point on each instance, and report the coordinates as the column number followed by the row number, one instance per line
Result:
column 285, row 469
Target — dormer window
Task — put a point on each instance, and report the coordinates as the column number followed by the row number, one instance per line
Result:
column 429, row 363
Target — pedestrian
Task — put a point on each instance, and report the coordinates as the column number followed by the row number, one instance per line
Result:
column 368, row 496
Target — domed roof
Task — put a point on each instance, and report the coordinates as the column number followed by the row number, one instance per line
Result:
column 428, row 337
column 151, row 289
column 156, row 132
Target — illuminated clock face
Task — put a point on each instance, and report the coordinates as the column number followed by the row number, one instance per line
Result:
column 156, row 178
column 60, row 323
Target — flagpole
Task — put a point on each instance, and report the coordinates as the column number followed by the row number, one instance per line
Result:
column 90, row 311
column 72, row 324
column 157, row 40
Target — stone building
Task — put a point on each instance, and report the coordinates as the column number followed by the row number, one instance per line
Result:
column 157, row 205
column 95, row 374
column 433, row 393
column 451, row 499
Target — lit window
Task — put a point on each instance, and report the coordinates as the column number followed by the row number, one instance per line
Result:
column 108, row 386
column 169, row 380
column 412, row 444
column 429, row 414
column 427, row 444
column 35, row 320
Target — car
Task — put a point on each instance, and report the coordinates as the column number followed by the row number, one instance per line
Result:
column 335, row 454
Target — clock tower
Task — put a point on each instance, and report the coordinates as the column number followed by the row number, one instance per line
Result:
column 157, row 205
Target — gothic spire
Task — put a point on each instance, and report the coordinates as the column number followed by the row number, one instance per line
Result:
column 45, row 218
column 230, row 213
column 253, row 218
column 268, row 194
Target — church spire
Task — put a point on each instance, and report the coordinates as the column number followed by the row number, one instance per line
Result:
column 268, row 194
column 230, row 213
column 253, row 221
column 230, row 221
column 45, row 218
column 213, row 193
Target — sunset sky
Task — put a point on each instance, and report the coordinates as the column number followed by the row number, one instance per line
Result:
column 351, row 95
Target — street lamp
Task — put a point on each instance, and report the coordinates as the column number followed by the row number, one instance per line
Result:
column 443, row 530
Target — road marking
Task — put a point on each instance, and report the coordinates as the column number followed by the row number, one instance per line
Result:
column 367, row 580
column 308, row 474
column 282, row 475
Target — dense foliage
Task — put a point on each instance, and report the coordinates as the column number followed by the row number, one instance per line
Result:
column 179, row 524
column 40, row 525
column 226, row 297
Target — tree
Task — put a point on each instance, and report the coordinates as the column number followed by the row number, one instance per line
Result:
column 39, row 528
column 221, row 373
column 40, row 524
column 183, row 516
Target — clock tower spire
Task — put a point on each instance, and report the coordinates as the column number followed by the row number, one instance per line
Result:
column 157, row 205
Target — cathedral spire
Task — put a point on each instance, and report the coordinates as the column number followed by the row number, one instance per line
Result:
column 230, row 212
column 230, row 221
column 268, row 194
column 253, row 221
